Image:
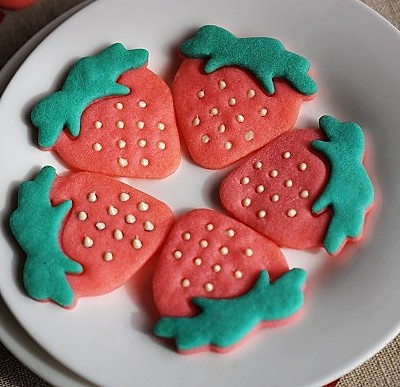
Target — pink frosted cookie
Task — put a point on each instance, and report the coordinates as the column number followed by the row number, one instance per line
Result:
column 84, row 234
column 212, row 275
column 234, row 95
column 113, row 115
column 307, row 188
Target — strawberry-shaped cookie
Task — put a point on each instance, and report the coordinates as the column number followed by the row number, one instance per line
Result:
column 307, row 188
column 214, row 270
column 113, row 116
column 84, row 234
column 234, row 95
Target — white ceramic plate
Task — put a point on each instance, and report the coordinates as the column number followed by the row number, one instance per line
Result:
column 351, row 309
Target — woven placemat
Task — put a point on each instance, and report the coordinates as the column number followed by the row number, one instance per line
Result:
column 17, row 27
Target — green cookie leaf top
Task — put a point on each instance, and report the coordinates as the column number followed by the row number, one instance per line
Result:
column 36, row 226
column 89, row 79
column 224, row 322
column 349, row 192
column 266, row 58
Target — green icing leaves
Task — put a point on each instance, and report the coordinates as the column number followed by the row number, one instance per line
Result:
column 36, row 225
column 89, row 79
column 349, row 191
column 266, row 58
column 224, row 322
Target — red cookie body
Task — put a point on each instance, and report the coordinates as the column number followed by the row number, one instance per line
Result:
column 208, row 254
column 226, row 115
column 111, row 230
column 133, row 135
column 262, row 192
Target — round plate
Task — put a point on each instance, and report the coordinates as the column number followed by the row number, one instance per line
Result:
column 351, row 305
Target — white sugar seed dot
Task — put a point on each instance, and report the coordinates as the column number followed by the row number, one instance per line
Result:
column 198, row 261
column 304, row 194
column 142, row 104
column 82, row 215
column 143, row 206
column 291, row 213
column 203, row 243
column 273, row 173
column 121, row 144
column 100, row 226
column 222, row 84
column 246, row 202
column 130, row 219
column 249, row 135
column 123, row 162
column 108, row 256
column 185, row 283
column 228, row 145
column 148, row 226
column 248, row 252
column 217, row 268
column 240, row 118
column 92, row 197
column 161, row 145
column 97, row 124
column 230, row 233
column 221, row 128
column 288, row 183
column 257, row 165
column 200, row 94
column 137, row 243
column 209, row 287
column 224, row 250
column 144, row 162
column 120, row 124
column 251, row 93
column 124, row 197
column 119, row 106
column 232, row 101
column 97, row 147
column 260, row 188
column 244, row 180
column 118, row 235
column 196, row 121
column 263, row 112
column 262, row 214
column 88, row 242
column 238, row 274
column 205, row 139
column 302, row 166
column 177, row 254
column 140, row 124
column 142, row 143
column 214, row 111
column 209, row 227
column 186, row 236
column 286, row 155
column 161, row 126
column 112, row 211
column 274, row 198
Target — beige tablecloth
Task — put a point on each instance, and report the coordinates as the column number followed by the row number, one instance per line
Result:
column 382, row 370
